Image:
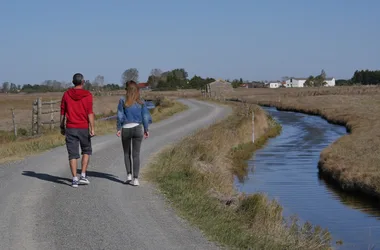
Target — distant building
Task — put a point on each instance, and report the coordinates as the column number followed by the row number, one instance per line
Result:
column 274, row 85
column 330, row 81
column 295, row 82
column 143, row 85
column 300, row 82
column 220, row 88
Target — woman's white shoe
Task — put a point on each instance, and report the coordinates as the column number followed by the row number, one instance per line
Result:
column 135, row 182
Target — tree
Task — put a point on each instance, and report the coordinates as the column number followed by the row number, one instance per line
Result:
column 13, row 88
column 87, row 85
column 235, row 83
column 98, row 82
column 180, row 74
column 196, row 82
column 52, row 85
column 343, row 82
column 366, row 77
column 309, row 82
column 323, row 74
column 154, row 78
column 6, row 86
column 131, row 74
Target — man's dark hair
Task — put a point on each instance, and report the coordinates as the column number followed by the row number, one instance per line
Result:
column 78, row 79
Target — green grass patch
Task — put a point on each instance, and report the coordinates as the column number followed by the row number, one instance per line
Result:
column 196, row 176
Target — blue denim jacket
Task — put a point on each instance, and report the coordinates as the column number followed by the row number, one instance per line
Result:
column 137, row 113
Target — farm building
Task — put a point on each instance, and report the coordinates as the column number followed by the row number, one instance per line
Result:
column 295, row 82
column 274, row 85
column 143, row 85
column 330, row 81
column 299, row 82
column 220, row 88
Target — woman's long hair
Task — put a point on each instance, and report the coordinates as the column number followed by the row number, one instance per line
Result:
column 133, row 94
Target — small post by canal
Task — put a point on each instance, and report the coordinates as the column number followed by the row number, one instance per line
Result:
column 253, row 127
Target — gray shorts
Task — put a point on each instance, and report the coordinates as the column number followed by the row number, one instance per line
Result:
column 76, row 137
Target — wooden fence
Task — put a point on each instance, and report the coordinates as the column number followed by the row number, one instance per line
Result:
column 38, row 111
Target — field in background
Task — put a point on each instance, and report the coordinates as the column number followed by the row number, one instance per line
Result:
column 104, row 104
column 12, row 148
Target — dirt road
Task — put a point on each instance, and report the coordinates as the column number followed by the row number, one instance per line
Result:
column 40, row 210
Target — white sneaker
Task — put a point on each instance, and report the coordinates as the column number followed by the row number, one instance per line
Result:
column 129, row 178
column 135, row 182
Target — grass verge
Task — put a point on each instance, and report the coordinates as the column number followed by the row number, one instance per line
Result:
column 15, row 149
column 196, row 175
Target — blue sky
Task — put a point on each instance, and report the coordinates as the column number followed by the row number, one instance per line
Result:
column 252, row 39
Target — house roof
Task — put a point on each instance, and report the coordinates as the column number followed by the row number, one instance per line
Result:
column 143, row 85
column 299, row 78
column 302, row 78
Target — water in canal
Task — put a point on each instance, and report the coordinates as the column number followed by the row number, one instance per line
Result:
column 286, row 169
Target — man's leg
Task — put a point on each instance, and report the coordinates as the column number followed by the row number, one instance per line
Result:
column 85, row 160
column 73, row 167
column 86, row 147
column 72, row 145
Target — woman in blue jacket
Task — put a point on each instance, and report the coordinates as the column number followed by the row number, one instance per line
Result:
column 133, row 119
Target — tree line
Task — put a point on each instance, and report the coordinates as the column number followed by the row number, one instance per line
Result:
column 178, row 79
column 361, row 77
column 157, row 80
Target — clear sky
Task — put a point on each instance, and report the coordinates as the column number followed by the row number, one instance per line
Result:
column 252, row 39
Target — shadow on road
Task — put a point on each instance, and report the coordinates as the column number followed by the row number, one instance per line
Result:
column 67, row 181
column 95, row 174
column 48, row 177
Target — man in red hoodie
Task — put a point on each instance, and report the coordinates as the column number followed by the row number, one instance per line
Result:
column 76, row 109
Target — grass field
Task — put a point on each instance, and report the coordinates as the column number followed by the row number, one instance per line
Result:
column 197, row 176
column 353, row 161
column 105, row 104
column 16, row 148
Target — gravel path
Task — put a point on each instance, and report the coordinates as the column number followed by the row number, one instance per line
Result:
column 40, row 210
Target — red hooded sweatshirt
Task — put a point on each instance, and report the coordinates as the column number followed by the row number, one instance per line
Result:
column 76, row 105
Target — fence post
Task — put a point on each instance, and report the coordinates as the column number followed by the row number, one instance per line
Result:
column 51, row 114
column 39, row 115
column 253, row 127
column 34, row 118
column 14, row 122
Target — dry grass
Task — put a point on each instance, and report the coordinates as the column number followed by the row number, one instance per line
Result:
column 196, row 175
column 104, row 104
column 22, row 103
column 14, row 149
column 165, row 108
column 353, row 161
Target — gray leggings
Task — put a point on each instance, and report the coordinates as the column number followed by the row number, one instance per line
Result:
column 131, row 139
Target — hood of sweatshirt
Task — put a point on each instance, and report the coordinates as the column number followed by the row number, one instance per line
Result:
column 78, row 94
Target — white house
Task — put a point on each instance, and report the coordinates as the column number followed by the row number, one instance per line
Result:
column 274, row 85
column 295, row 82
column 330, row 81
column 299, row 82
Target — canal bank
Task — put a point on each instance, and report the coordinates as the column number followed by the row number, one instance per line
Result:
column 286, row 169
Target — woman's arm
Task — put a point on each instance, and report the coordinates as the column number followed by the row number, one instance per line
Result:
column 146, row 117
column 120, row 114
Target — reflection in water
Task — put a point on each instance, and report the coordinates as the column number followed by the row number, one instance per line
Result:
column 286, row 169
column 363, row 203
